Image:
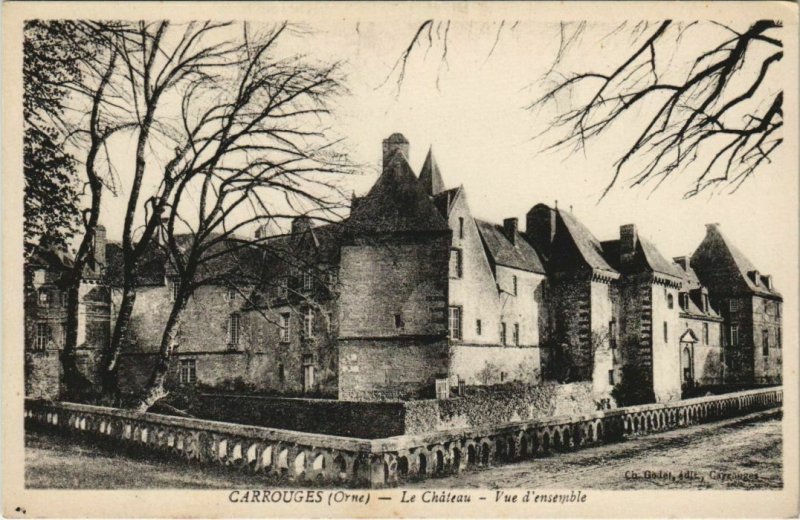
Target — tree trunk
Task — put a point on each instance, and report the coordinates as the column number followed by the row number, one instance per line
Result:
column 109, row 366
column 154, row 391
column 75, row 384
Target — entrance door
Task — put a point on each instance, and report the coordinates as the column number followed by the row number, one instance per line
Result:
column 687, row 366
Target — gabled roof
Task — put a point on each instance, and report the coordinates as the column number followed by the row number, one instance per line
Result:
column 519, row 255
column 430, row 177
column 397, row 202
column 587, row 245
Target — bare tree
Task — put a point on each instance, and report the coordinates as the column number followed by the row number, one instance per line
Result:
column 721, row 113
column 91, row 86
column 158, row 61
column 253, row 149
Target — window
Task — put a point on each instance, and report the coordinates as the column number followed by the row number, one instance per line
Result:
column 514, row 284
column 331, row 278
column 232, row 293
column 683, row 298
column 308, row 323
column 666, row 332
column 705, row 303
column 64, row 298
column 42, row 336
column 285, row 329
column 308, row 280
column 329, row 322
column 611, row 377
column 502, row 376
column 478, row 327
column 670, row 301
column 455, row 263
column 308, row 372
column 283, row 288
column 63, row 334
column 44, row 298
column 734, row 335
column 188, row 371
column 398, row 321
column 777, row 309
column 455, row 322
column 733, row 305
column 281, row 373
column 460, row 227
column 503, row 333
column 174, row 286
column 765, row 342
column 705, row 333
column 515, row 334
column 233, row 330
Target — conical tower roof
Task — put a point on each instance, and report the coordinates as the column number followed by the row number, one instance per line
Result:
column 430, row 177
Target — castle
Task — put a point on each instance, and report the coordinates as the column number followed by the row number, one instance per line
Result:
column 411, row 296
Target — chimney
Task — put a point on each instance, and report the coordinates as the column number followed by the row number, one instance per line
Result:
column 628, row 243
column 510, row 229
column 682, row 261
column 100, row 246
column 394, row 143
column 714, row 226
column 300, row 225
column 540, row 226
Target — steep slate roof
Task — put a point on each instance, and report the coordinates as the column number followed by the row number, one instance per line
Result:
column 322, row 241
column 430, row 177
column 656, row 261
column 587, row 245
column 519, row 255
column 647, row 257
column 716, row 244
column 241, row 262
column 397, row 202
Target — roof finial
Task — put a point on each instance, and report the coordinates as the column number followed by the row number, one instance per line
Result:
column 556, row 203
column 570, row 208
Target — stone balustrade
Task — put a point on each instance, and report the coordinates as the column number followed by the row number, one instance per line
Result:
column 326, row 459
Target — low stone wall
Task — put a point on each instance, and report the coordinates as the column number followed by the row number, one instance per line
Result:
column 373, row 420
column 314, row 458
column 499, row 405
column 368, row 420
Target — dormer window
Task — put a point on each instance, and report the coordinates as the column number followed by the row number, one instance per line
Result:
column 308, row 280
column 705, row 303
column 684, row 301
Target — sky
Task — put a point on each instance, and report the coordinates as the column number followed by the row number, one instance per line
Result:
column 470, row 109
